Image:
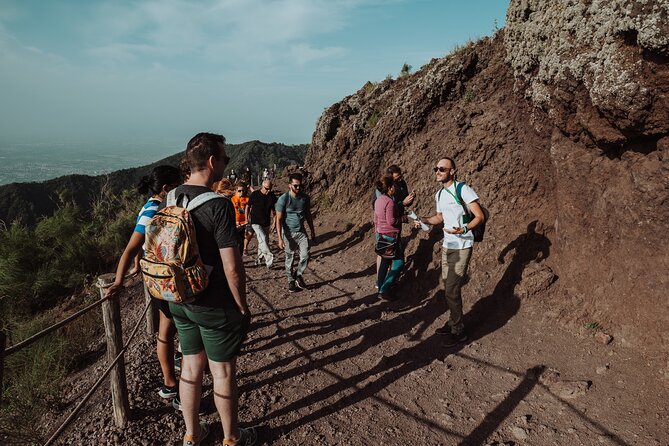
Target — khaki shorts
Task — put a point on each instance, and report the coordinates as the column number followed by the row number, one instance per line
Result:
column 220, row 332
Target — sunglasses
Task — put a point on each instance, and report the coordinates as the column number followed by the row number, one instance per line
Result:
column 296, row 186
column 441, row 169
column 240, row 190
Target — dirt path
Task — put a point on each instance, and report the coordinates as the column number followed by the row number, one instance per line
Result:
column 334, row 366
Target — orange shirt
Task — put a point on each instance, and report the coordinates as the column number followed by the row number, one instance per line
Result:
column 240, row 204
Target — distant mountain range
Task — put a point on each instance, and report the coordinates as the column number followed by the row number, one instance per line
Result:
column 28, row 202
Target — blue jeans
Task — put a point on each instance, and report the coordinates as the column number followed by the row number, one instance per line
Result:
column 389, row 269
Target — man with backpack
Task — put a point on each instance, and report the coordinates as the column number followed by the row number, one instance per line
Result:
column 214, row 324
column 292, row 209
column 454, row 200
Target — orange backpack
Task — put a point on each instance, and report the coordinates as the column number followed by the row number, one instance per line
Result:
column 171, row 266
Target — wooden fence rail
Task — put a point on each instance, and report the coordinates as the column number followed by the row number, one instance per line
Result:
column 81, row 404
column 111, row 315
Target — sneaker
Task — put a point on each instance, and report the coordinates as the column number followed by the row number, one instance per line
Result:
column 300, row 283
column 177, row 361
column 168, row 391
column 453, row 339
column 248, row 436
column 258, row 261
column 292, row 286
column 445, row 330
column 176, row 403
column 192, row 440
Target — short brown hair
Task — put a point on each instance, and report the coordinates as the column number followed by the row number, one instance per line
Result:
column 385, row 183
column 200, row 148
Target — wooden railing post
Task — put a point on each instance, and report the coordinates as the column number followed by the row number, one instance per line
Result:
column 3, row 344
column 151, row 314
column 111, row 314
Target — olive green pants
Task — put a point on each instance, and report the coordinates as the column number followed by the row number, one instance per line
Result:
column 454, row 263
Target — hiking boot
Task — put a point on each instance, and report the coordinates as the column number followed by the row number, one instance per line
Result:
column 176, row 403
column 300, row 283
column 177, row 361
column 453, row 339
column 292, row 287
column 387, row 297
column 248, row 436
column 445, row 330
column 192, row 440
column 168, row 392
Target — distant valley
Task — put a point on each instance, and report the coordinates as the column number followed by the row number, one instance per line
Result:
column 27, row 202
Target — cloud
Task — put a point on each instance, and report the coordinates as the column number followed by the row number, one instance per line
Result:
column 256, row 32
column 304, row 53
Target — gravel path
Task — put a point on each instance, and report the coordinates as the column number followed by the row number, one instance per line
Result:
column 332, row 365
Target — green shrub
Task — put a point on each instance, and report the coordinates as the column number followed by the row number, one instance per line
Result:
column 38, row 267
column 372, row 120
column 405, row 70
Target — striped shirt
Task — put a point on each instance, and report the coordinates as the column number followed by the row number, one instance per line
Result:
column 146, row 214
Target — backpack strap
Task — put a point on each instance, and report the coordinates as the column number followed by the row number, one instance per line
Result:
column 458, row 192
column 171, row 199
column 200, row 200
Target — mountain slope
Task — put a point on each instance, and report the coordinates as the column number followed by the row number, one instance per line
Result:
column 560, row 122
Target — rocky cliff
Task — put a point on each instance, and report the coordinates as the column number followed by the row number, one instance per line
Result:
column 560, row 122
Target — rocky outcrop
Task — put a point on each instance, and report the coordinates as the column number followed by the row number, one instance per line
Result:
column 560, row 122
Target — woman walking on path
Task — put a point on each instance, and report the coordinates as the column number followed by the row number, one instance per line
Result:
column 161, row 180
column 388, row 223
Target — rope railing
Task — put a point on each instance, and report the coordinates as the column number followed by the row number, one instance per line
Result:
column 106, row 373
column 37, row 336
column 115, row 370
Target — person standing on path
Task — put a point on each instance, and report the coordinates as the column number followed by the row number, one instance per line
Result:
column 402, row 198
column 214, row 326
column 457, row 245
column 241, row 202
column 261, row 217
column 292, row 209
column 161, row 180
column 388, row 223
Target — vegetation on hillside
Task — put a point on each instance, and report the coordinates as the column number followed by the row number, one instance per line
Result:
column 40, row 268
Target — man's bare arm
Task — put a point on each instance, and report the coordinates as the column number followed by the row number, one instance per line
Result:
column 236, row 276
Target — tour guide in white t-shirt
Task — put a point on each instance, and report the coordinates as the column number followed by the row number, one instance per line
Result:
column 457, row 247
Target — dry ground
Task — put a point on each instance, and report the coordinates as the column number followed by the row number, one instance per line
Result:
column 334, row 366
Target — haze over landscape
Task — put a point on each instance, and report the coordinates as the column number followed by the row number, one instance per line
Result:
column 90, row 87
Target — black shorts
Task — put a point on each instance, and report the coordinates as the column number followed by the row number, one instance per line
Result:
column 164, row 307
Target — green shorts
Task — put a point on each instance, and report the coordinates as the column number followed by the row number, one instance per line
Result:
column 220, row 332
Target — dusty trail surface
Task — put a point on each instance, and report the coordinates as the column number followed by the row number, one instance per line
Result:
column 332, row 365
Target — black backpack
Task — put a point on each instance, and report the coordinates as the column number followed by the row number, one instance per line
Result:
column 479, row 230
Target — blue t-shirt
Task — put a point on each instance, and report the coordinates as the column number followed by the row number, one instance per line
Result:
column 294, row 209
column 146, row 214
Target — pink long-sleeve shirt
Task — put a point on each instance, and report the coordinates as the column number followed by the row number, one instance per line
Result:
column 386, row 218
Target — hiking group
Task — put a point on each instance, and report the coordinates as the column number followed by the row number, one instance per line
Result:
column 191, row 237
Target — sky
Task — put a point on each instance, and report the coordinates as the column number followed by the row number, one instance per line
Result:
column 120, row 71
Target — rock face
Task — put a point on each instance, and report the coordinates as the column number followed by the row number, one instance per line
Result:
column 561, row 124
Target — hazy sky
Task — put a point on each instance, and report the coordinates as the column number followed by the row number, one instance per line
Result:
column 162, row 70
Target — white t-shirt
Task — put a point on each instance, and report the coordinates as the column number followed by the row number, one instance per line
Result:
column 452, row 212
